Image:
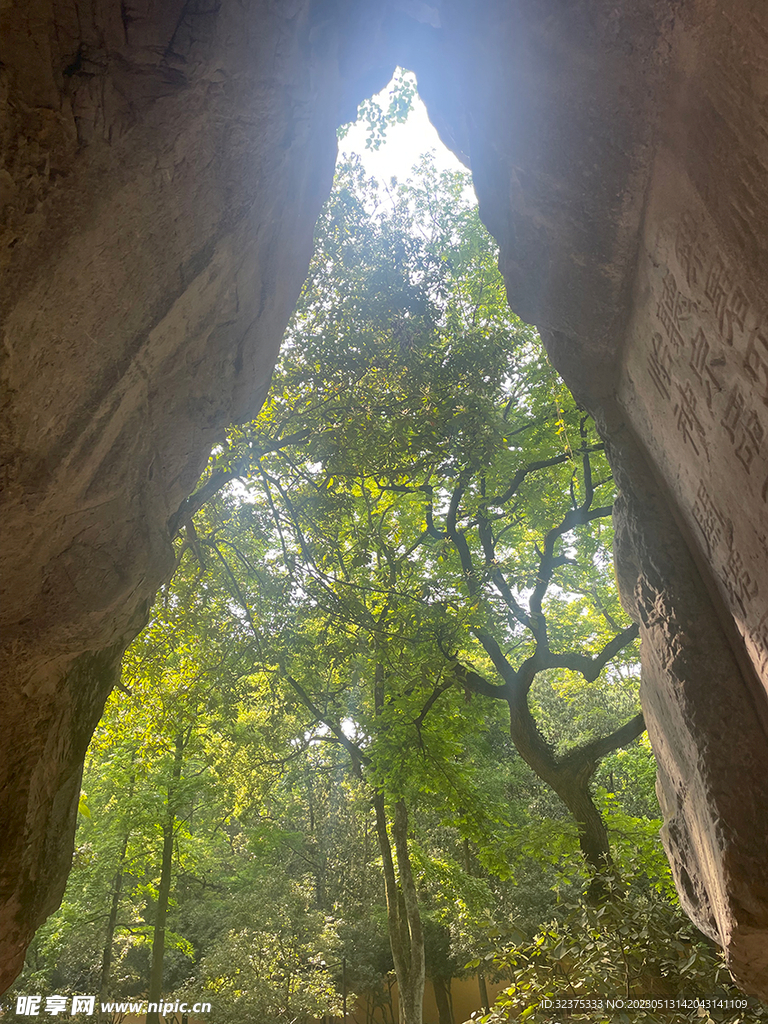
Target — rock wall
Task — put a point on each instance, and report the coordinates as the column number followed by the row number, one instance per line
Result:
column 620, row 156
column 693, row 385
column 164, row 165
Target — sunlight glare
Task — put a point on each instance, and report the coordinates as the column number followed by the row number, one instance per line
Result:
column 404, row 145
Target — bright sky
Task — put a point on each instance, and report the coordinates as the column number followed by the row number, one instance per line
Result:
column 404, row 144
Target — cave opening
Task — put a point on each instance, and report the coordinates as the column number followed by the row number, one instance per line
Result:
column 393, row 131
column 163, row 173
column 417, row 521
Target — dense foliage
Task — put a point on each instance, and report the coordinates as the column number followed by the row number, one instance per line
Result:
column 384, row 719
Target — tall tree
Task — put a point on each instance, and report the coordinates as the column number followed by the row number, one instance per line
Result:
column 441, row 463
column 425, row 506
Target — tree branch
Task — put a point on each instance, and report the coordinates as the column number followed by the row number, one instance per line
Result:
column 596, row 749
column 590, row 668
column 436, row 693
column 358, row 757
column 219, row 478
column 521, row 474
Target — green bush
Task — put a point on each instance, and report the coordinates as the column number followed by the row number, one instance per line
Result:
column 632, row 946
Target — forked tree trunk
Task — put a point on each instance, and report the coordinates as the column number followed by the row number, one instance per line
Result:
column 406, row 936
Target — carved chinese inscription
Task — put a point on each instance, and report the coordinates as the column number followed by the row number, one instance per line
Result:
column 717, row 532
column 738, row 580
column 758, row 638
column 729, row 303
column 674, row 310
column 743, row 427
column 756, row 359
column 660, row 365
column 715, row 528
column 706, row 367
column 691, row 245
column 686, row 420
column 692, row 357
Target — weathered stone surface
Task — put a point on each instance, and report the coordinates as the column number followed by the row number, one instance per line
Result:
column 620, row 156
column 164, row 164
column 693, row 385
column 706, row 718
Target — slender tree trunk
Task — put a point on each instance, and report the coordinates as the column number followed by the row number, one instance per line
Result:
column 106, row 960
column 405, row 931
column 164, row 889
column 445, row 1016
column 117, row 886
column 481, row 984
column 484, row 1001
column 416, row 976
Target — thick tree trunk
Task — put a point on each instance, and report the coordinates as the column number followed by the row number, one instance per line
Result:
column 569, row 778
column 593, row 835
column 164, row 889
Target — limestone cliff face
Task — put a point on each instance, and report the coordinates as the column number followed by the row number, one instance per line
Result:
column 164, row 165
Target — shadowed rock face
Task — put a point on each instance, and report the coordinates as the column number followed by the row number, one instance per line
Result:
column 164, row 167
column 164, row 172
